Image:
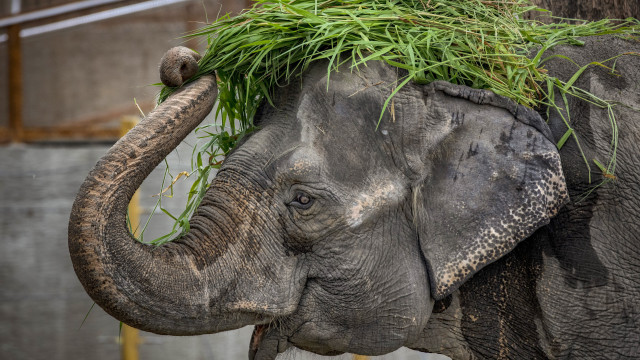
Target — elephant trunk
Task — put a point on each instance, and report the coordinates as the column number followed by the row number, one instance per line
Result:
column 158, row 289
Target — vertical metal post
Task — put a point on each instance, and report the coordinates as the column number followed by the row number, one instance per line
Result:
column 129, row 344
column 16, row 131
column 130, row 337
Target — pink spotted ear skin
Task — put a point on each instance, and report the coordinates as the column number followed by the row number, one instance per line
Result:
column 541, row 201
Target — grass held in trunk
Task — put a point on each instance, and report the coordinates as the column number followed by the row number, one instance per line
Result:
column 481, row 44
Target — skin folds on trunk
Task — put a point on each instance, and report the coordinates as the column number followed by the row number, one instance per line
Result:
column 139, row 284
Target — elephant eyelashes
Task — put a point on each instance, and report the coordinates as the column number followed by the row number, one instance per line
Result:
column 302, row 201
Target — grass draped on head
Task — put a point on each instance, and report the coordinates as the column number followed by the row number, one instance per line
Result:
column 483, row 44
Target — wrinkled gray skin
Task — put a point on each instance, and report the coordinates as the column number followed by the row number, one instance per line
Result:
column 447, row 229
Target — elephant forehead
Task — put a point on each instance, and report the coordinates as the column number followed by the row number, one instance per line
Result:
column 309, row 119
column 302, row 161
column 380, row 193
column 298, row 156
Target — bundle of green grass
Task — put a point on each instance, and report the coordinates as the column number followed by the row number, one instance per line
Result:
column 483, row 44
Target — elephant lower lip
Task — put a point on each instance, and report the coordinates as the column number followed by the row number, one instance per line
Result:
column 266, row 343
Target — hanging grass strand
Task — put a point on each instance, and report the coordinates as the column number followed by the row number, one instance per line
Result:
column 482, row 44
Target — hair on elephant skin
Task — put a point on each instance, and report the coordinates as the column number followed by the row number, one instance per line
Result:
column 451, row 226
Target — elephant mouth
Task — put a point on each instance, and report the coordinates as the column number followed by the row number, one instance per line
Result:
column 266, row 344
column 256, row 339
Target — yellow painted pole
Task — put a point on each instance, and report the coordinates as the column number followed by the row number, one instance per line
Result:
column 130, row 337
column 360, row 357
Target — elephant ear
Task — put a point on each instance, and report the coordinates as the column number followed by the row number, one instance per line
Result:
column 490, row 176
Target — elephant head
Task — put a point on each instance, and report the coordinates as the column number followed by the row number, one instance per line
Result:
column 327, row 230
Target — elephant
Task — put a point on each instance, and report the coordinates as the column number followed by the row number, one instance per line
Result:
column 453, row 225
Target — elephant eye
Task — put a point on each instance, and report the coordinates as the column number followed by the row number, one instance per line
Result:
column 302, row 200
